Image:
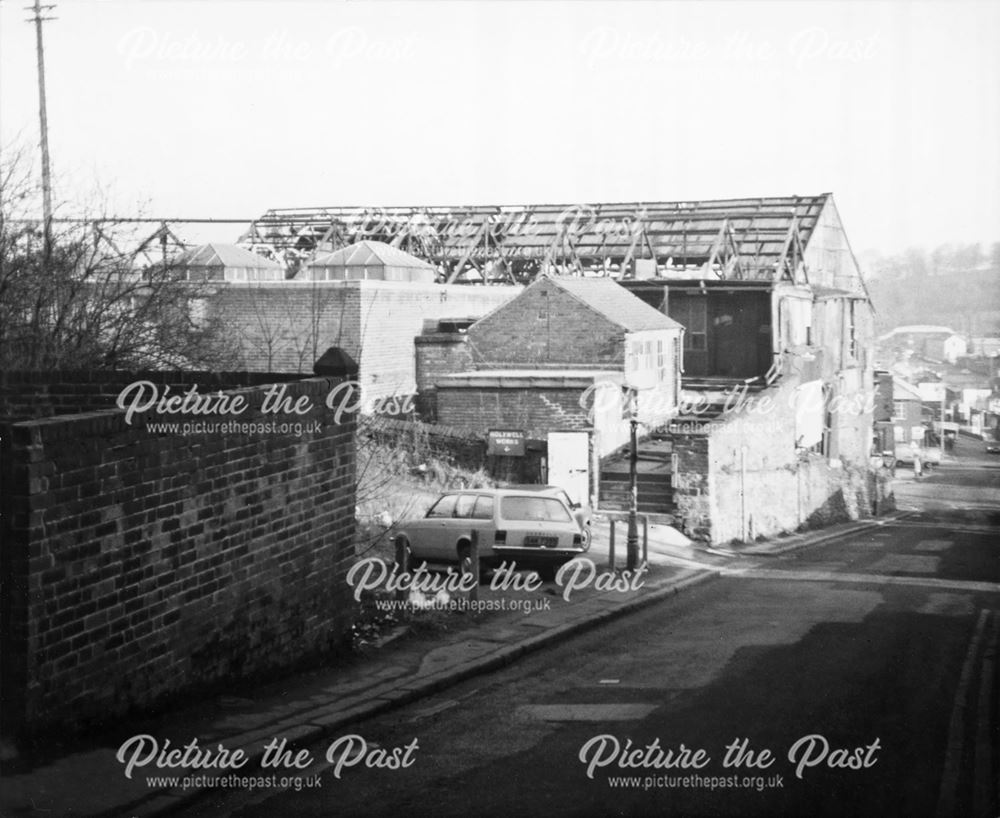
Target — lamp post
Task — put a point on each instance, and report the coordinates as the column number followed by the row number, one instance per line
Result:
column 632, row 541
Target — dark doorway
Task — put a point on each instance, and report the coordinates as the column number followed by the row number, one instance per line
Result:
column 728, row 334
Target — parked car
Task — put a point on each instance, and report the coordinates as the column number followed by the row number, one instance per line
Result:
column 581, row 511
column 929, row 455
column 993, row 448
column 530, row 528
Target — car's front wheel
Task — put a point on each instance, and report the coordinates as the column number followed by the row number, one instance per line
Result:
column 588, row 535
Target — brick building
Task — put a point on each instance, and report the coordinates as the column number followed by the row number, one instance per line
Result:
column 555, row 359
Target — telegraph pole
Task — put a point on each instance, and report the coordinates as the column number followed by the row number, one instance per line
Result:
column 38, row 10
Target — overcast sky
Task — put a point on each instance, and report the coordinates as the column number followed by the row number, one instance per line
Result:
column 220, row 108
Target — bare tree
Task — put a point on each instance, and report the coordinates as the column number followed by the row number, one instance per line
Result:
column 81, row 301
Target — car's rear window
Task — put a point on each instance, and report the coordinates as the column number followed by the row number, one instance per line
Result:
column 534, row 509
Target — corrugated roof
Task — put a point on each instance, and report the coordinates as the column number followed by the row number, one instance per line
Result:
column 214, row 254
column 608, row 298
column 370, row 253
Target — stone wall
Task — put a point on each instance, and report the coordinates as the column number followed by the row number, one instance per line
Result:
column 139, row 564
column 690, row 486
column 761, row 485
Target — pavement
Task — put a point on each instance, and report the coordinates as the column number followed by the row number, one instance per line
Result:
column 85, row 778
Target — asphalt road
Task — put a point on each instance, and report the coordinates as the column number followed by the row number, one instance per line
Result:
column 865, row 667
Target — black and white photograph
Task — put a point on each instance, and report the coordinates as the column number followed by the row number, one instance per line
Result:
column 534, row 408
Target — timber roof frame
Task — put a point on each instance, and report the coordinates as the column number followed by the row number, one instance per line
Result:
column 730, row 239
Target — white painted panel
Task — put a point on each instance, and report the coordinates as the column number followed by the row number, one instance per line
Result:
column 569, row 464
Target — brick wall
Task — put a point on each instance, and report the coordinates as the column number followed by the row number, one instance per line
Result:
column 438, row 353
column 394, row 313
column 137, row 565
column 25, row 394
column 285, row 326
column 536, row 411
column 546, row 326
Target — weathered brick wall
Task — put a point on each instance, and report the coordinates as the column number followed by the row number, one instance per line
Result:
column 536, row 411
column 438, row 353
column 39, row 394
column 546, row 327
column 285, row 326
column 394, row 313
column 137, row 565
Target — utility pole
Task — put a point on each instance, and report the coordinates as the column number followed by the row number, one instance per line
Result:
column 38, row 10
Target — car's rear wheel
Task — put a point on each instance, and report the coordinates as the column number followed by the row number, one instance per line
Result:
column 547, row 572
column 464, row 557
column 588, row 535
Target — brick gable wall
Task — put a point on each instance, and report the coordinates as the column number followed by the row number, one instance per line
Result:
column 546, row 327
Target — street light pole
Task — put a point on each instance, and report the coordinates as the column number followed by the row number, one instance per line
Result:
column 632, row 542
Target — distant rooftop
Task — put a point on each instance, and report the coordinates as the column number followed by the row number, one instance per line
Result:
column 919, row 329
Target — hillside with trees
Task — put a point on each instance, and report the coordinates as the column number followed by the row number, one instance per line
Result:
column 953, row 285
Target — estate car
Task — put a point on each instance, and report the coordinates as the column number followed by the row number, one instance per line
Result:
column 534, row 529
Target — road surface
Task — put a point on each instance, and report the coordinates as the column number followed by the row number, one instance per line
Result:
column 855, row 677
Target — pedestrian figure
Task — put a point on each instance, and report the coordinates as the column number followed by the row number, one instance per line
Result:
column 917, row 468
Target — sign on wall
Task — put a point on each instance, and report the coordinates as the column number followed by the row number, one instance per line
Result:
column 505, row 442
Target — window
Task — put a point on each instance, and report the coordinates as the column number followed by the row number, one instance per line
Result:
column 197, row 310
column 898, row 410
column 632, row 356
column 692, row 313
column 534, row 509
column 852, row 332
column 444, row 507
column 483, row 509
column 464, row 504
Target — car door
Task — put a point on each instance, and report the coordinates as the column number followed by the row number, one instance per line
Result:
column 483, row 523
column 432, row 539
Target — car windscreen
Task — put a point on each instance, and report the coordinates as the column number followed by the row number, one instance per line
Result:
column 534, row 509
